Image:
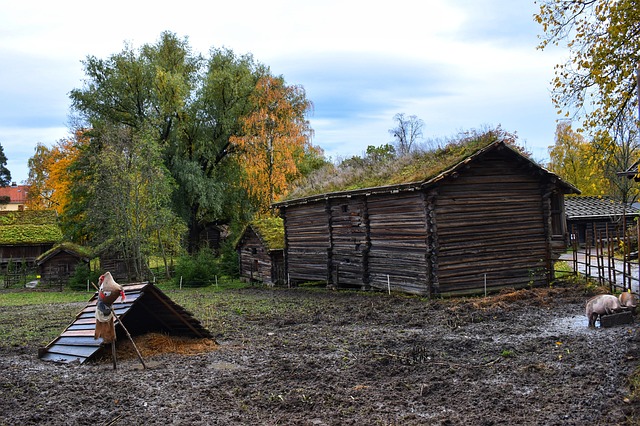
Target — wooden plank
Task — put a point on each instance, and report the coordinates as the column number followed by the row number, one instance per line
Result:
column 61, row 358
column 79, row 340
column 70, row 333
column 76, row 326
column 72, row 350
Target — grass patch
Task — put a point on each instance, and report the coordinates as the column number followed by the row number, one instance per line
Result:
column 25, row 298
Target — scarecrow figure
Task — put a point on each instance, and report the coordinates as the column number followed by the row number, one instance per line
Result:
column 108, row 292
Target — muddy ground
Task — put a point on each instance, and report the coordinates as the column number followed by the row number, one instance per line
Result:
column 350, row 358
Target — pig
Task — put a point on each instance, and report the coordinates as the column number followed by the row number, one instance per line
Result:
column 628, row 300
column 602, row 304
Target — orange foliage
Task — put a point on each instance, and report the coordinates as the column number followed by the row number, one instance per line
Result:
column 276, row 135
column 54, row 190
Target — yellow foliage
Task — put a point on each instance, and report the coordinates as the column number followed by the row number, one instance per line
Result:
column 276, row 134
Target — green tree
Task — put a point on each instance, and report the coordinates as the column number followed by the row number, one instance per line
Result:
column 598, row 81
column 192, row 106
column 5, row 174
column 127, row 209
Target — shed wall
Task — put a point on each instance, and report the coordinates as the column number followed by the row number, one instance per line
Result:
column 308, row 242
column 257, row 263
column 398, row 255
column 490, row 223
column 59, row 267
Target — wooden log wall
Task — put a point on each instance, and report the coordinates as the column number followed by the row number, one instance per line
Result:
column 398, row 242
column 20, row 253
column 256, row 263
column 307, row 242
column 349, row 242
column 491, row 223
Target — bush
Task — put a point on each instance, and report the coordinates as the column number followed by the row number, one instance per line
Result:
column 196, row 270
column 78, row 280
column 228, row 261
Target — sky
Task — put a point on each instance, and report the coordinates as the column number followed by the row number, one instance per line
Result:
column 455, row 64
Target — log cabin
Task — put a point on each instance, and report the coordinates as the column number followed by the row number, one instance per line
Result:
column 482, row 218
column 58, row 264
column 27, row 234
column 588, row 216
column 260, row 251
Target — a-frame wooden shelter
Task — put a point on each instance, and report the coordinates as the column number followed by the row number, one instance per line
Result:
column 146, row 309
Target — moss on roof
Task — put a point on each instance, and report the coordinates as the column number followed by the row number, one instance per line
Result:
column 29, row 227
column 28, row 217
column 29, row 234
column 416, row 167
column 68, row 246
column 271, row 231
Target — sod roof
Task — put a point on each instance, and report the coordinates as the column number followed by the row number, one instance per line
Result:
column 408, row 172
column 29, row 227
column 270, row 231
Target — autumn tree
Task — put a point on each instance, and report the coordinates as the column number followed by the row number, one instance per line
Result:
column 598, row 81
column 276, row 134
column 577, row 161
column 50, row 175
column 125, row 197
column 406, row 133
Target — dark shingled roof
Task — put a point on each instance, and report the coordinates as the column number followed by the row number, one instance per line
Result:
column 146, row 310
column 591, row 207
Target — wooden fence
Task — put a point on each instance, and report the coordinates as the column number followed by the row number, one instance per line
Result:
column 605, row 259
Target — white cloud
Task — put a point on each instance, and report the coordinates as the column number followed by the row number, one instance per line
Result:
column 454, row 63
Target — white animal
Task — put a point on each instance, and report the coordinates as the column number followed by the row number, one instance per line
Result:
column 603, row 304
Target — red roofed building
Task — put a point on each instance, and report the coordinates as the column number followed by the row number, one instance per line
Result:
column 16, row 195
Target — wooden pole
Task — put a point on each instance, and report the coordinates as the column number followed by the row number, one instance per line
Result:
column 113, row 354
column 131, row 339
column 113, row 344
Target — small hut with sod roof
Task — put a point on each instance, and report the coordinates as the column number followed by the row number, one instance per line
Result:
column 58, row 264
column 260, row 251
column 477, row 214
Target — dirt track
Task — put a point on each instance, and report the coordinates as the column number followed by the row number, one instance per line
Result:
column 350, row 358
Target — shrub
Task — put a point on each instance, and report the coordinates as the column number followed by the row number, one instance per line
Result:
column 196, row 270
column 228, row 261
column 78, row 280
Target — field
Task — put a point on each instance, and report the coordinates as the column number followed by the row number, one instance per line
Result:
column 310, row 356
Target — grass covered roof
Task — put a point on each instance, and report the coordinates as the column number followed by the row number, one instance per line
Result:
column 420, row 166
column 29, row 227
column 407, row 172
column 78, row 250
column 270, row 230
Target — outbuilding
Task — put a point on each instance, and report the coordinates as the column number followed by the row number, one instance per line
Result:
column 260, row 251
column 481, row 216
column 25, row 235
column 590, row 216
column 58, row 264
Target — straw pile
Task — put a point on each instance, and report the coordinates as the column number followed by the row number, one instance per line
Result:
column 152, row 344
